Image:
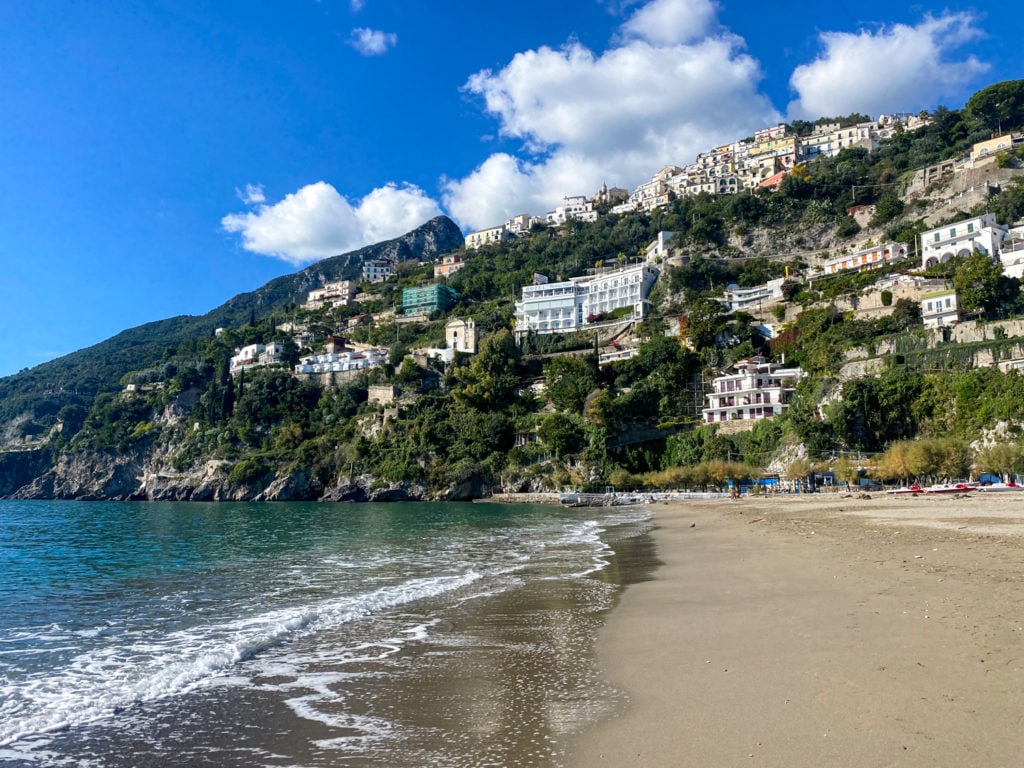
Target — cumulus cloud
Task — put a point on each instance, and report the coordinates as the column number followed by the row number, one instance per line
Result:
column 893, row 68
column 252, row 194
column 671, row 21
column 316, row 221
column 588, row 118
column 372, row 42
column 356, row 5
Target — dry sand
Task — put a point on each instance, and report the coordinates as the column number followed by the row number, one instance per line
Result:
column 822, row 631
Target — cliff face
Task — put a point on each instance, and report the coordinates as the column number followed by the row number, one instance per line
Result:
column 37, row 395
column 142, row 475
column 18, row 468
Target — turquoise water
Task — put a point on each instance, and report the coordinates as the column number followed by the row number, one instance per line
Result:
column 302, row 634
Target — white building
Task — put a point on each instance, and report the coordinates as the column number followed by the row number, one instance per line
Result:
column 256, row 356
column 571, row 305
column 377, row 270
column 659, row 248
column 981, row 233
column 757, row 390
column 349, row 360
column 738, row 299
column 940, row 308
column 521, row 223
column 576, row 207
column 475, row 240
column 337, row 294
column 867, row 258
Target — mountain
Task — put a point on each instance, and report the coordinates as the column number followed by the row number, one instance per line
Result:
column 73, row 380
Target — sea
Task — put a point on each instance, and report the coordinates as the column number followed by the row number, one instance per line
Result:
column 294, row 634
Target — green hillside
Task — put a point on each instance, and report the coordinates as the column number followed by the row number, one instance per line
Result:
column 483, row 421
column 75, row 379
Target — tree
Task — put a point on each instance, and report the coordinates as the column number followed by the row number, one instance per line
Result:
column 490, row 381
column 569, row 381
column 705, row 321
column 981, row 286
column 999, row 107
column 561, row 434
column 887, row 208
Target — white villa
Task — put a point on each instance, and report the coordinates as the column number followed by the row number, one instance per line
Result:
column 940, row 309
column 349, row 360
column 981, row 233
column 576, row 207
column 337, row 294
column 571, row 305
column 757, row 390
column 475, row 240
column 256, row 356
column 377, row 270
column 738, row 299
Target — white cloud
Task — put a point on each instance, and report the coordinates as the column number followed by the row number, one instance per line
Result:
column 894, row 68
column 357, row 5
column 372, row 42
column 671, row 21
column 614, row 117
column 316, row 221
column 252, row 194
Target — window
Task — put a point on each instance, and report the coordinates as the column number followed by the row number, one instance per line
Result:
column 970, row 227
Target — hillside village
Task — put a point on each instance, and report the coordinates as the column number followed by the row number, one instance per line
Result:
column 615, row 297
column 645, row 367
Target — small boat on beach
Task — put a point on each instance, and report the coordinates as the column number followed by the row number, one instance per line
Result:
column 949, row 488
column 1001, row 487
column 914, row 489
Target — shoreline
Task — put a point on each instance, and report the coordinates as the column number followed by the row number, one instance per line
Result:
column 821, row 630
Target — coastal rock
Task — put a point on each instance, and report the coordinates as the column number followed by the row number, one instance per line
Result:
column 89, row 476
column 20, row 468
column 366, row 488
column 467, row 490
column 297, row 485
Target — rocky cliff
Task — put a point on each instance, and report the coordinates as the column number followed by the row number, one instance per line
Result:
column 143, row 475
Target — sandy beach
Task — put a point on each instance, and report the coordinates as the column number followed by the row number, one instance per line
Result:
column 822, row 630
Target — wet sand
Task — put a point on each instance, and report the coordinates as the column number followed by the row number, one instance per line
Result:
column 822, row 631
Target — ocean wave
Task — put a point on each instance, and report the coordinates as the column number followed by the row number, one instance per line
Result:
column 104, row 681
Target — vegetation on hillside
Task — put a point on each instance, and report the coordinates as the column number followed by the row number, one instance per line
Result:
column 630, row 423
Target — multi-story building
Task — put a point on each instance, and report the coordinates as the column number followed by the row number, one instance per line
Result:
column 482, row 237
column 521, row 223
column 738, row 299
column 347, row 361
column 450, row 264
column 377, row 270
column 867, row 258
column 940, row 309
column 256, row 356
column 756, row 390
column 576, row 207
column 337, row 294
column 571, row 305
column 980, row 233
column 428, row 298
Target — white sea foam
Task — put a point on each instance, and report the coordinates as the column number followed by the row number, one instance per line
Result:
column 148, row 666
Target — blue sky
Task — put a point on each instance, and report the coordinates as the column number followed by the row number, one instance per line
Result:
column 157, row 158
